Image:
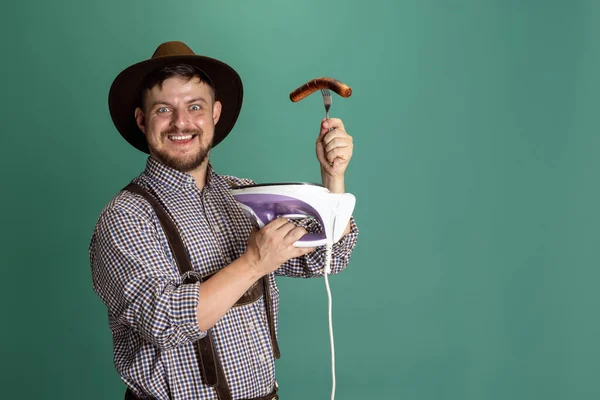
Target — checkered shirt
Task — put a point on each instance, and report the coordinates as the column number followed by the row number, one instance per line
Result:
column 152, row 314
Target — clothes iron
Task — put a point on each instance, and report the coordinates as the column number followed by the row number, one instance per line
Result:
column 262, row 203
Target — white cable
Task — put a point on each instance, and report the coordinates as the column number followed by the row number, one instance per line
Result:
column 327, row 271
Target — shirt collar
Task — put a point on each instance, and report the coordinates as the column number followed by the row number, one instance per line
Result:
column 172, row 178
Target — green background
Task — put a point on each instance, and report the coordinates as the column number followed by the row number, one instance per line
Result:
column 476, row 155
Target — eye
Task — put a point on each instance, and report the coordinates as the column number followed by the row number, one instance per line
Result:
column 195, row 107
column 162, row 110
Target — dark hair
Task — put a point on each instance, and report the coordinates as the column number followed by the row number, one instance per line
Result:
column 180, row 70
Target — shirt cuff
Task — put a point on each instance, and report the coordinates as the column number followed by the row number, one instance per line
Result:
column 184, row 306
column 343, row 248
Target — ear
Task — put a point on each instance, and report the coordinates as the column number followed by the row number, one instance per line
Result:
column 139, row 119
column 216, row 111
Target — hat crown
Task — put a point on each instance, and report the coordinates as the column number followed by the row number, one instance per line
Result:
column 174, row 48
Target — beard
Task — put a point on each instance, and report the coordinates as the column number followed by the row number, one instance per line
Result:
column 182, row 164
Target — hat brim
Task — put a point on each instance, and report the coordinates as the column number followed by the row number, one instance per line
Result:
column 123, row 95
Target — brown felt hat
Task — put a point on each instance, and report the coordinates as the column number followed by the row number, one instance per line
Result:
column 125, row 89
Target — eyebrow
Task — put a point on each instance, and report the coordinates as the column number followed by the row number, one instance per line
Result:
column 198, row 100
column 166, row 103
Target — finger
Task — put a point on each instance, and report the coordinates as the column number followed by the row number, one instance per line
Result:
column 327, row 137
column 321, row 155
column 325, row 131
column 338, row 163
column 275, row 224
column 285, row 229
column 327, row 124
column 337, row 142
column 338, row 153
column 335, row 134
column 329, row 128
column 295, row 234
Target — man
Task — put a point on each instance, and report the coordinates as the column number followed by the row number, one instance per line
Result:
column 209, row 332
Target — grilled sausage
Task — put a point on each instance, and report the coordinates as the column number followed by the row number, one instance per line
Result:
column 320, row 83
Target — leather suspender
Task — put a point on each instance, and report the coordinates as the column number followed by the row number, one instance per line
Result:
column 210, row 365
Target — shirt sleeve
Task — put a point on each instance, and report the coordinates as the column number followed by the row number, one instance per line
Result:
column 139, row 283
column 313, row 263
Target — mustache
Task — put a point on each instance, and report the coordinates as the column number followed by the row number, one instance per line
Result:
column 181, row 132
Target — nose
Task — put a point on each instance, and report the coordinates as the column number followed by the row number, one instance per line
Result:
column 180, row 120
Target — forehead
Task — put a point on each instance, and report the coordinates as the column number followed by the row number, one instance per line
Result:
column 179, row 88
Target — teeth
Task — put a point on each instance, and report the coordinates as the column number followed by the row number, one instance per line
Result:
column 180, row 137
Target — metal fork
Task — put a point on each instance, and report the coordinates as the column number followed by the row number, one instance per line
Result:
column 326, row 101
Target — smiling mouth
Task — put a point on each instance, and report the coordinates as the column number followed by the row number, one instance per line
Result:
column 181, row 138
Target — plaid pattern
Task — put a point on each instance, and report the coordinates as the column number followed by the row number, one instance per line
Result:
column 152, row 314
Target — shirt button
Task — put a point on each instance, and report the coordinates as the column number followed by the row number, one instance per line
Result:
column 216, row 229
column 262, row 358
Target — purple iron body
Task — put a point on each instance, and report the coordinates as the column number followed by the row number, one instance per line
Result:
column 264, row 203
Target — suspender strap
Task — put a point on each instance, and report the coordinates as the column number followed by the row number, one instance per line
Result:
column 210, row 365
column 270, row 318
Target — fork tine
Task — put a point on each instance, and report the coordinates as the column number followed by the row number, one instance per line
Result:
column 326, row 101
